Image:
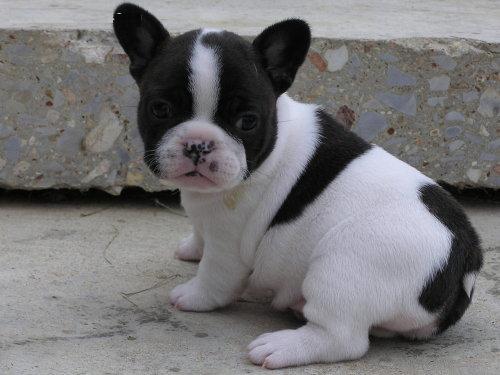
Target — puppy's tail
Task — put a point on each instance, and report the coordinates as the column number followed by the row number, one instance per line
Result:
column 463, row 297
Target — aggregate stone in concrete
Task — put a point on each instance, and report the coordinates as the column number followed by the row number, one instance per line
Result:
column 84, row 290
column 336, row 58
column 454, row 116
column 68, row 113
column 470, row 96
column 489, row 103
column 397, row 78
column 444, row 61
column 436, row 100
column 439, row 83
column 405, row 103
column 369, row 125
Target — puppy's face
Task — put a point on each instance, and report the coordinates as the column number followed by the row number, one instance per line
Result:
column 207, row 111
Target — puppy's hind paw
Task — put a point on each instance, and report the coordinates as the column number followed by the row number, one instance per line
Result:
column 280, row 349
column 302, row 346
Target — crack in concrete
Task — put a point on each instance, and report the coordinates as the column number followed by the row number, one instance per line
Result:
column 34, row 340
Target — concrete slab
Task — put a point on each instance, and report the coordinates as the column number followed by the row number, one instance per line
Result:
column 354, row 19
column 84, row 291
column 421, row 79
column 68, row 118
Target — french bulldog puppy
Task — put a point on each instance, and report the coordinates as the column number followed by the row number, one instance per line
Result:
column 283, row 198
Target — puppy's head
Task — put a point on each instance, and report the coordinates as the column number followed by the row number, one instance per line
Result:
column 207, row 110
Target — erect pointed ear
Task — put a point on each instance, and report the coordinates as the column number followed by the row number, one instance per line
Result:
column 283, row 48
column 140, row 34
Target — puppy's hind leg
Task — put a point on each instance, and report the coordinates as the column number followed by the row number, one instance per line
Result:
column 336, row 330
column 191, row 248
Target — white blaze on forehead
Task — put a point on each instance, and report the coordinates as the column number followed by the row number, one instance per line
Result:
column 204, row 79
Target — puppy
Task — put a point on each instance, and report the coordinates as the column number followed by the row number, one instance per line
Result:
column 283, row 198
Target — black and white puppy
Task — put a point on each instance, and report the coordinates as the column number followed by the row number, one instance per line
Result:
column 283, row 198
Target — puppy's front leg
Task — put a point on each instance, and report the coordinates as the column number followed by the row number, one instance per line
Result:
column 191, row 248
column 220, row 280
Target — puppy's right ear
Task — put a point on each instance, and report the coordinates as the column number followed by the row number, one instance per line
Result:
column 283, row 48
column 140, row 34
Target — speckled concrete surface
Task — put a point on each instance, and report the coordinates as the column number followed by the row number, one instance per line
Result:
column 67, row 117
column 84, row 291
column 433, row 103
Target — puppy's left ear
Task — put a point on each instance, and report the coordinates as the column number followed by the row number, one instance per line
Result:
column 283, row 48
column 140, row 34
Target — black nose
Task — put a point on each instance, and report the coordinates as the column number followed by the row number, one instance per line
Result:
column 196, row 150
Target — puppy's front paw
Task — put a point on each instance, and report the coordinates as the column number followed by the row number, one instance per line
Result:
column 191, row 297
column 190, row 249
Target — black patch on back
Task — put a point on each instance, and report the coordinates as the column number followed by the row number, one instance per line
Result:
column 336, row 149
column 445, row 291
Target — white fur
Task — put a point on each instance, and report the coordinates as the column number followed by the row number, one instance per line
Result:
column 191, row 247
column 204, row 79
column 353, row 254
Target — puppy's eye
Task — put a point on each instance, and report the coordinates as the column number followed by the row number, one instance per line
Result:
column 161, row 109
column 247, row 121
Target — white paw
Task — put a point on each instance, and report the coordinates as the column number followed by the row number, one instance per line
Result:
column 190, row 249
column 279, row 349
column 191, row 297
column 305, row 345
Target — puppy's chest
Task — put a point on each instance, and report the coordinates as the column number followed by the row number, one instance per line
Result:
column 226, row 215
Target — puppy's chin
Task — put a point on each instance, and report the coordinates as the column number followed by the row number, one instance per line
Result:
column 198, row 183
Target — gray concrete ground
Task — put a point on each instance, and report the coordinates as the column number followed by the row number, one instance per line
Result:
column 83, row 290
column 353, row 19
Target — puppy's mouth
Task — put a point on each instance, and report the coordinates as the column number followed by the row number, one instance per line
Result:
column 194, row 180
column 196, row 173
column 193, row 174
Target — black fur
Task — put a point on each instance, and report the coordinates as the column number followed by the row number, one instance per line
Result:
column 445, row 291
column 140, row 34
column 252, row 77
column 166, row 78
column 244, row 87
column 283, row 48
column 337, row 148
